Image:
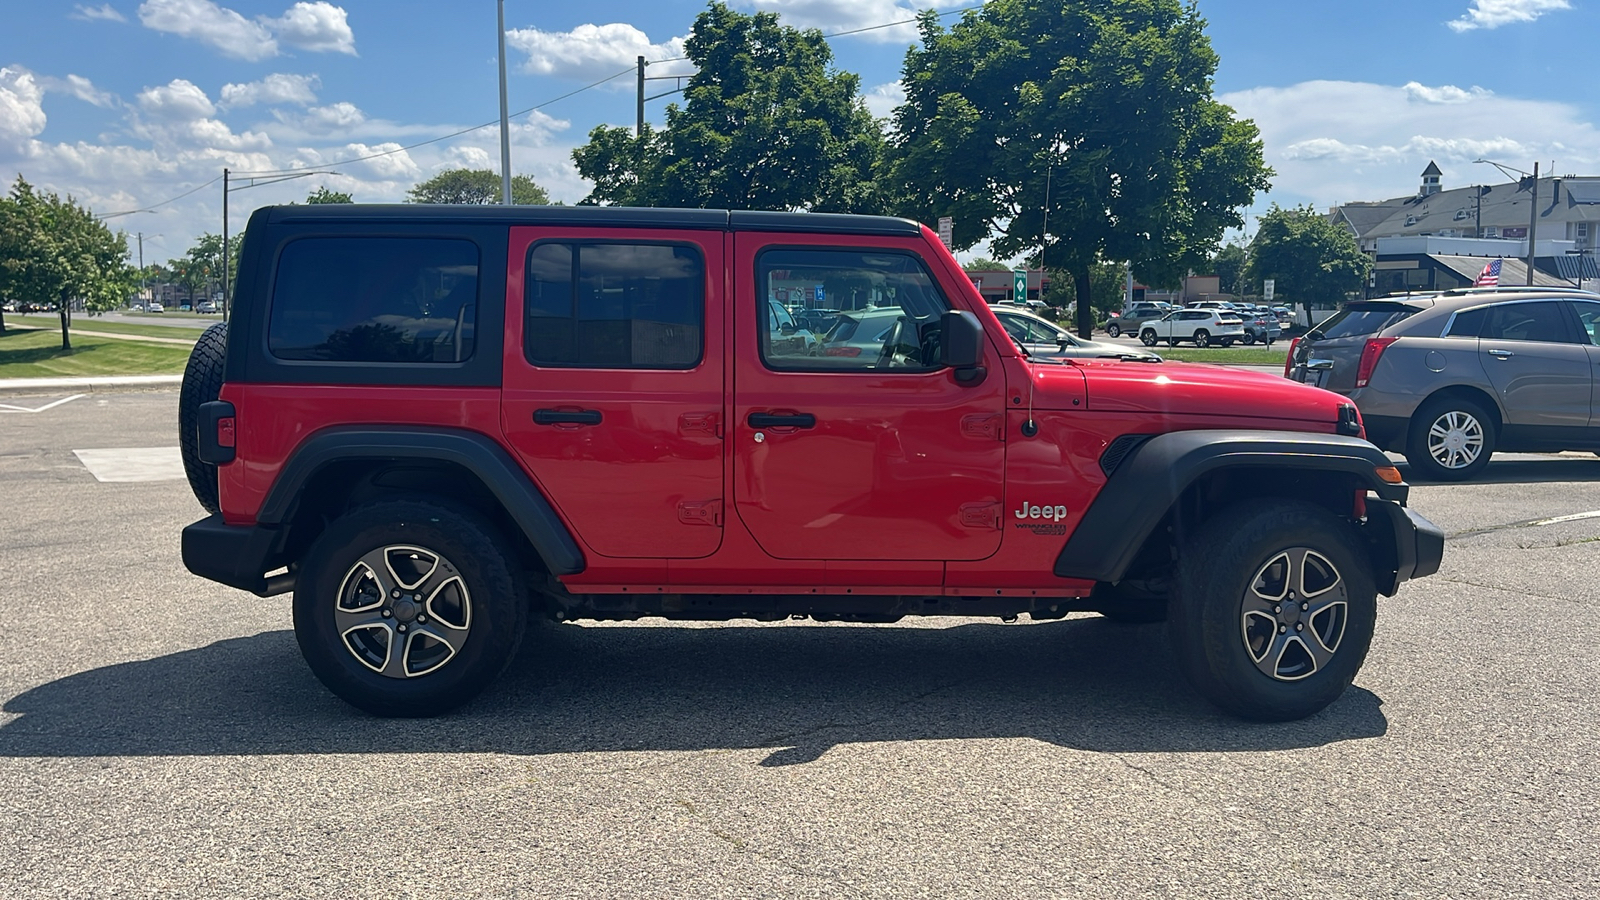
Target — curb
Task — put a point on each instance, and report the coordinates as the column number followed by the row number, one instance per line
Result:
column 91, row 384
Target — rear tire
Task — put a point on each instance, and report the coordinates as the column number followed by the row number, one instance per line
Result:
column 1249, row 338
column 409, row 608
column 1450, row 439
column 1273, row 609
column 202, row 382
column 1114, row 330
column 1202, row 338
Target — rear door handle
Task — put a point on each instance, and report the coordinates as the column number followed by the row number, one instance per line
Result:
column 1501, row 354
column 781, row 420
column 566, row 417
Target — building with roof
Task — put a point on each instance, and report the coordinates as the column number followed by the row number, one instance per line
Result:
column 1426, row 241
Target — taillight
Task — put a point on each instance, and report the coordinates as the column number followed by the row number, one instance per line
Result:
column 1369, row 358
column 1288, row 364
column 841, row 351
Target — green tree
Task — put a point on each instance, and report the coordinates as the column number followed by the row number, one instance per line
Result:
column 768, row 123
column 477, row 186
column 200, row 269
column 1107, row 284
column 323, row 195
column 1228, row 265
column 1100, row 112
column 1313, row 259
column 983, row 264
column 53, row 251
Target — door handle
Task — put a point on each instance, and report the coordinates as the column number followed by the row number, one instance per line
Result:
column 1501, row 354
column 781, row 420
column 566, row 417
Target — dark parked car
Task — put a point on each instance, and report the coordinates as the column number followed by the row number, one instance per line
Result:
column 1448, row 379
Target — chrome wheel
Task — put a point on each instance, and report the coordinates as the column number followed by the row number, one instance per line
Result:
column 1455, row 439
column 403, row 611
column 1294, row 614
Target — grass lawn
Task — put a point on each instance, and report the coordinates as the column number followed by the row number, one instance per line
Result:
column 82, row 323
column 1235, row 355
column 38, row 354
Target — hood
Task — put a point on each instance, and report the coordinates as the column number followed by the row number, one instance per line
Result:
column 1198, row 388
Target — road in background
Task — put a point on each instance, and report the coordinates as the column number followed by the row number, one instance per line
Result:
column 161, row 735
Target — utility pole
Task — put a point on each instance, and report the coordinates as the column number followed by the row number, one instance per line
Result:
column 141, row 266
column 505, row 123
column 1533, row 221
column 638, row 128
column 226, row 297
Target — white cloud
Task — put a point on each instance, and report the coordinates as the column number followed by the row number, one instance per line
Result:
column 318, row 26
column 103, row 12
column 80, row 87
column 471, row 158
column 882, row 99
column 339, row 116
column 21, row 107
column 275, row 89
column 1494, row 13
column 208, row 23
column 834, row 16
column 396, row 163
column 589, row 52
column 178, row 100
column 1336, row 141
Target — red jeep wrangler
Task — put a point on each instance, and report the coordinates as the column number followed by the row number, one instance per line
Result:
column 433, row 423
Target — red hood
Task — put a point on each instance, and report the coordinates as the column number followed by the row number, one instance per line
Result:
column 1181, row 388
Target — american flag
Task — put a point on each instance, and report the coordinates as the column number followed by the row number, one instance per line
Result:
column 1490, row 276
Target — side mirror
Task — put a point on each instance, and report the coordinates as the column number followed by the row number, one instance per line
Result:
column 786, row 329
column 961, row 344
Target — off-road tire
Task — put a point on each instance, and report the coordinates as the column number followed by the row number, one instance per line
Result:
column 1202, row 339
column 468, row 549
column 1114, row 330
column 1217, row 608
column 1468, row 413
column 1147, row 337
column 202, row 382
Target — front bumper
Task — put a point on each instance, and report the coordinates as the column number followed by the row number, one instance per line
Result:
column 236, row 555
column 1408, row 545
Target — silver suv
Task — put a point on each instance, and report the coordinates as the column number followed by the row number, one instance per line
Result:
column 1450, row 378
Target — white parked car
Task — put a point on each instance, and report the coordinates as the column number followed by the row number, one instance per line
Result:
column 1043, row 339
column 155, row 307
column 1202, row 327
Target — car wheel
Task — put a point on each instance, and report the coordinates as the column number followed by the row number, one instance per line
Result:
column 1147, row 338
column 1450, row 439
column 408, row 608
column 1114, row 330
column 1202, row 339
column 1226, row 342
column 1273, row 610
column 202, row 382
column 1249, row 338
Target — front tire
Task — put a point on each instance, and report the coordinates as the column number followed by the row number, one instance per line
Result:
column 409, row 608
column 1114, row 330
column 1147, row 338
column 1273, row 610
column 1450, row 439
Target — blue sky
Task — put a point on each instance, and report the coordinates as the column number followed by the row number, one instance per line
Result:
column 129, row 103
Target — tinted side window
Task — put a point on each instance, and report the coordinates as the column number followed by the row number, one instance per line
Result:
column 1589, row 320
column 1468, row 323
column 375, row 300
column 1526, row 322
column 1359, row 321
column 614, row 306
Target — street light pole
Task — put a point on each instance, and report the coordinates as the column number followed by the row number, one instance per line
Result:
column 505, row 122
column 1533, row 222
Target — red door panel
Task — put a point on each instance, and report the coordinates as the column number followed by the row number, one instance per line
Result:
column 632, row 458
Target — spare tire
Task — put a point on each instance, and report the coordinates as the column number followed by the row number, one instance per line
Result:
column 202, row 382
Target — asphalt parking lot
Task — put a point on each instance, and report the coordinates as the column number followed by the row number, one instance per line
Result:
column 160, row 735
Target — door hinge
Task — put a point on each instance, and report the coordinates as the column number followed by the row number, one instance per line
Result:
column 705, row 423
column 700, row 512
column 980, row 515
column 988, row 426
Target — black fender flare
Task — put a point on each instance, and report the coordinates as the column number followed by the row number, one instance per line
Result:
column 1142, row 484
column 475, row 452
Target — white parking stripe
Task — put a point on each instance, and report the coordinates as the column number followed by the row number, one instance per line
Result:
column 133, row 463
column 8, row 408
column 1592, row 514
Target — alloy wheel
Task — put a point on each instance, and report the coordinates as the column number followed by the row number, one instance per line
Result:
column 1293, row 614
column 1455, row 439
column 403, row 611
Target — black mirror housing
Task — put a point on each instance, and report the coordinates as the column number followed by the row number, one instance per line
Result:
column 960, row 340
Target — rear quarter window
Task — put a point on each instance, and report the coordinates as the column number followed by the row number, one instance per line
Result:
column 1360, row 320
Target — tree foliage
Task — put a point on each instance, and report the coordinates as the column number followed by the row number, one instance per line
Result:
column 323, row 195
column 767, row 123
column 1228, row 265
column 1110, row 105
column 476, row 186
column 984, row 264
column 1312, row 258
column 199, row 270
column 55, row 252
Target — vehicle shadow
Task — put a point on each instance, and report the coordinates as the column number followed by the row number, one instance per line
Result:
column 1083, row 683
column 1550, row 469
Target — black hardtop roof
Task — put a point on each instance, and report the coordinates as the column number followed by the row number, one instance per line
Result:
column 592, row 217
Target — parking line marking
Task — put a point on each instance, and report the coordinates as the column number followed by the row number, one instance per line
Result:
column 126, row 464
column 1592, row 514
column 8, row 408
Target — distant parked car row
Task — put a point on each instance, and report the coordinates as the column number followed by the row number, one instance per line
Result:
column 1155, row 321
